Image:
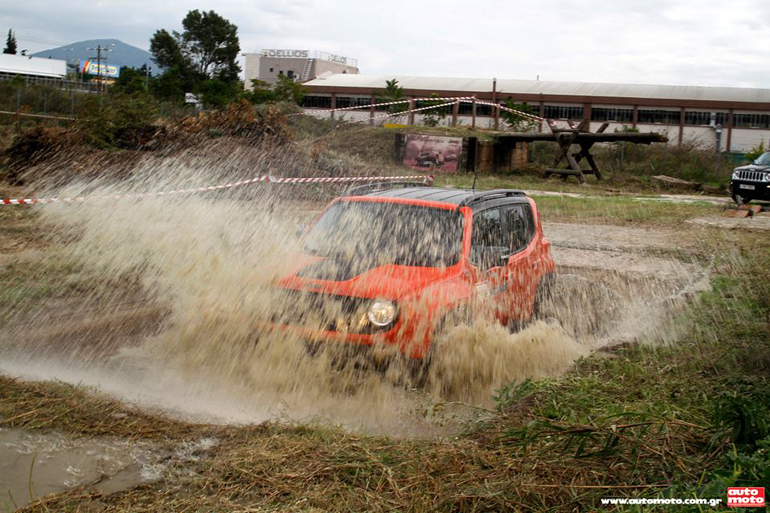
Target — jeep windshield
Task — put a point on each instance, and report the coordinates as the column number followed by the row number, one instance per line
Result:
column 387, row 233
column 763, row 160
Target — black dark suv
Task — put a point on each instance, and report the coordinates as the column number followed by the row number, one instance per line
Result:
column 752, row 181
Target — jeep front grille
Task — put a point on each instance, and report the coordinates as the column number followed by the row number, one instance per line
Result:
column 321, row 311
column 751, row 176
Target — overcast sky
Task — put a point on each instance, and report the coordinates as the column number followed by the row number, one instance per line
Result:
column 703, row 42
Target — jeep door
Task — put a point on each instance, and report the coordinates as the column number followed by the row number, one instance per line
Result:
column 489, row 246
column 522, row 259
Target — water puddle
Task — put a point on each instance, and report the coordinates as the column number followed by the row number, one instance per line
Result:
column 35, row 464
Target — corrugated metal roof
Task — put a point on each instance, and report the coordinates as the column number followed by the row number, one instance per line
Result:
column 512, row 86
column 25, row 65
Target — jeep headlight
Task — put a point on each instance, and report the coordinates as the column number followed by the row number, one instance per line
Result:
column 382, row 312
column 735, row 175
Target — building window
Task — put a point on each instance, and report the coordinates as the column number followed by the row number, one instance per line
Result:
column 562, row 112
column 752, row 120
column 723, row 118
column 609, row 114
column 317, row 102
column 659, row 116
column 697, row 118
column 466, row 109
column 271, row 70
column 388, row 108
column 290, row 73
column 352, row 101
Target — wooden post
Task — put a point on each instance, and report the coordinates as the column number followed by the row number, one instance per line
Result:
column 681, row 126
column 730, row 123
column 635, row 118
column 541, row 113
column 496, row 112
column 371, row 110
column 334, row 106
column 455, row 112
column 410, row 118
column 473, row 115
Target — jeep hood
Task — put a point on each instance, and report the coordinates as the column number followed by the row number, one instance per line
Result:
column 753, row 167
column 357, row 278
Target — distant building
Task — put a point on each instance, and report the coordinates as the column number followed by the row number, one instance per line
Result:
column 33, row 69
column 299, row 65
column 736, row 119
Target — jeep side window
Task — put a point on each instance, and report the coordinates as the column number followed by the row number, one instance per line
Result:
column 521, row 226
column 489, row 242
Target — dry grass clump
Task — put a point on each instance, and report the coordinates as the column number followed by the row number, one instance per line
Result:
column 80, row 411
column 241, row 119
column 518, row 461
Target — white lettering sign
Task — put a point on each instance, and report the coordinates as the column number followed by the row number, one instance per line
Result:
column 286, row 54
column 337, row 58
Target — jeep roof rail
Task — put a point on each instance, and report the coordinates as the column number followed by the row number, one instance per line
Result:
column 485, row 195
column 358, row 190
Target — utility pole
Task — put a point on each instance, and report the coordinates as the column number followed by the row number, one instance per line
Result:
column 99, row 49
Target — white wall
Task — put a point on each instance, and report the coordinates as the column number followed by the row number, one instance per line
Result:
column 744, row 139
column 23, row 65
column 703, row 137
column 250, row 68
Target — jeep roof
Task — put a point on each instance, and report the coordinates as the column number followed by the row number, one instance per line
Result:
column 459, row 197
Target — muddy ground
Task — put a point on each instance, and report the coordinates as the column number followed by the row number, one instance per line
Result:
column 617, row 285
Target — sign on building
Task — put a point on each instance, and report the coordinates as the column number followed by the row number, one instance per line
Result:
column 89, row 67
column 286, row 54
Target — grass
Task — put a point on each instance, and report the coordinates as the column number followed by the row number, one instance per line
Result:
column 621, row 210
column 593, row 205
column 649, row 421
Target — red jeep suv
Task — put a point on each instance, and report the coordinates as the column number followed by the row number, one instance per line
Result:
column 389, row 266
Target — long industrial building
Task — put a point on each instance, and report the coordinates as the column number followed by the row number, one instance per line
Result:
column 32, row 69
column 734, row 119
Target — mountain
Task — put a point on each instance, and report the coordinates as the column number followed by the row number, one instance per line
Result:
column 121, row 54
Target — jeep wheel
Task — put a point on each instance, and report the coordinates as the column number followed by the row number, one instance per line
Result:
column 419, row 368
column 543, row 295
column 740, row 200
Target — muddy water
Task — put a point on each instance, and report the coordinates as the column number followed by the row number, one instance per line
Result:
column 34, row 464
column 205, row 268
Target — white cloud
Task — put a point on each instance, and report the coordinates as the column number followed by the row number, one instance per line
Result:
column 705, row 42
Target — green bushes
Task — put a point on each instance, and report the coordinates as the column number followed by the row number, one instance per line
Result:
column 687, row 162
column 119, row 120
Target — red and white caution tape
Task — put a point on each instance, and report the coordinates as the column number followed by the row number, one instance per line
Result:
column 512, row 111
column 30, row 115
column 451, row 99
column 263, row 178
column 394, row 114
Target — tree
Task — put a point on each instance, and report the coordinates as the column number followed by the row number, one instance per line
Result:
column 261, row 92
column 518, row 122
column 218, row 93
column 393, row 93
column 206, row 50
column 433, row 116
column 131, row 81
column 287, row 90
column 10, row 43
column 210, row 42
